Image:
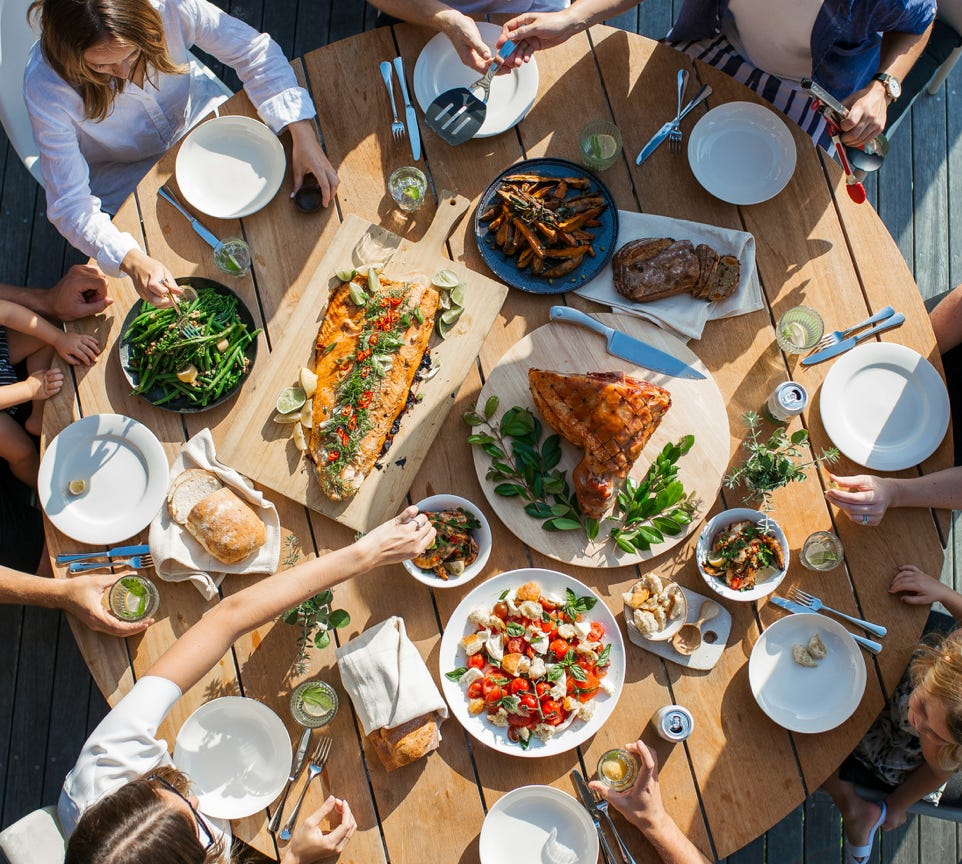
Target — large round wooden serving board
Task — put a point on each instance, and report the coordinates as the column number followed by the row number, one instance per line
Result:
column 697, row 408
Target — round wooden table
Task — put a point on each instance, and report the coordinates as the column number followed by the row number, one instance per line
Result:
column 739, row 773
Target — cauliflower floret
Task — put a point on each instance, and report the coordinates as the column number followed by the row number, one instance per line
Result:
column 530, row 609
column 469, row 677
column 566, row 631
column 537, row 669
column 500, row 718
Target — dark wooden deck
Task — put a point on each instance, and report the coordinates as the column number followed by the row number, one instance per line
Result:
column 48, row 702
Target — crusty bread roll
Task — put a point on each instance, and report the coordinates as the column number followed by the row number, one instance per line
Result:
column 225, row 526
column 189, row 488
column 408, row 742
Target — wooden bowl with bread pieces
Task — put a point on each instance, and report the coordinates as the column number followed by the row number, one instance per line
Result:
column 215, row 516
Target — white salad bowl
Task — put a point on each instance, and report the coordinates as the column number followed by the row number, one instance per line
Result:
column 482, row 536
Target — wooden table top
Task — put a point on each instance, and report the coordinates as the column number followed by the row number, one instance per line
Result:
column 739, row 773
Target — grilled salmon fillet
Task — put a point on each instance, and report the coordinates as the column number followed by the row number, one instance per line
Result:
column 609, row 415
column 367, row 353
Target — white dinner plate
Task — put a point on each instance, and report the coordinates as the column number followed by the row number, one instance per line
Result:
column 742, row 153
column 229, row 167
column 803, row 698
column 126, row 473
column 884, row 406
column 439, row 68
column 518, row 826
column 451, row 656
column 237, row 753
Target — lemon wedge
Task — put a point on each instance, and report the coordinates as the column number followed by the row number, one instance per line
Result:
column 307, row 414
column 308, row 381
column 77, row 487
column 188, row 375
column 300, row 440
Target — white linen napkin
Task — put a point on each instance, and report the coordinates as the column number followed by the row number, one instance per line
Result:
column 386, row 678
column 683, row 315
column 178, row 556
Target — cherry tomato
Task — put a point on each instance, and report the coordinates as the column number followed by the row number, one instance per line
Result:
column 735, row 582
column 513, row 734
column 517, row 720
column 547, row 605
column 549, row 626
column 490, row 690
column 516, row 645
column 529, row 701
column 597, row 631
column 476, row 661
column 474, row 690
column 541, row 688
column 559, row 647
column 530, row 652
column 551, row 708
column 588, row 689
column 519, row 685
column 501, row 610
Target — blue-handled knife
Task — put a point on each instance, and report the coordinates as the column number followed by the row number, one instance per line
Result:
column 791, row 606
column 662, row 134
column 206, row 235
column 627, row 347
column 117, row 552
column 414, row 133
column 897, row 320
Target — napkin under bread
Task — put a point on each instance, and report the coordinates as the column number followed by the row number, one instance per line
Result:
column 683, row 315
column 179, row 557
column 386, row 678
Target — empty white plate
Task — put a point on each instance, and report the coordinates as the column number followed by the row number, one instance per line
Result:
column 439, row 68
column 884, row 406
column 803, row 698
column 517, row 828
column 125, row 470
column 742, row 153
column 237, row 753
column 229, row 167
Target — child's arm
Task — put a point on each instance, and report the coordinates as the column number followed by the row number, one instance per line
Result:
column 73, row 347
column 38, row 385
column 920, row 782
column 918, row 588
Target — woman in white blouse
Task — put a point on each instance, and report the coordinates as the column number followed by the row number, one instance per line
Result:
column 125, row 801
column 109, row 90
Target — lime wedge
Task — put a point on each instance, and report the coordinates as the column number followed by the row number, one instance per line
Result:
column 457, row 295
column 316, row 702
column 373, row 283
column 603, row 146
column 290, row 400
column 445, row 279
column 795, row 333
column 345, row 275
column 412, row 192
column 826, row 556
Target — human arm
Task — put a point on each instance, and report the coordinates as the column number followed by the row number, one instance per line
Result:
column 946, row 320
column 868, row 496
column 868, row 107
column 200, row 648
column 920, row 589
column 73, row 347
column 535, row 31
column 643, row 807
column 81, row 596
column 919, row 783
column 310, row 843
column 307, row 157
column 79, row 294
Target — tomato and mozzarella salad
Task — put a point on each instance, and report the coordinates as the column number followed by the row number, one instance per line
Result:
column 534, row 663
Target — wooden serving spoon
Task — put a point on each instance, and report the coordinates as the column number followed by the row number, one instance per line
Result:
column 688, row 639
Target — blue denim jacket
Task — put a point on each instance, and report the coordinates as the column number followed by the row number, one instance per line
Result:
column 846, row 38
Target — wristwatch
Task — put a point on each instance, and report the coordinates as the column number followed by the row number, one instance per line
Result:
column 891, row 84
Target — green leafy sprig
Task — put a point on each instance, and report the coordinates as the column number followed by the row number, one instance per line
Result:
column 774, row 462
column 317, row 619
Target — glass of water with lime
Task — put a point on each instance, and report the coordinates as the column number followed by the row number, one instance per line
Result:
column 233, row 257
column 407, row 187
column 799, row 329
column 133, row 598
column 314, row 704
column 600, row 144
column 822, row 551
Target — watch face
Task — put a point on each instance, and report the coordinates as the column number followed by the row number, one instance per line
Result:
column 894, row 87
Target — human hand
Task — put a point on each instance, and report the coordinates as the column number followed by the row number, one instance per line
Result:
column 402, row 537
column 81, row 293
column 151, row 278
column 918, row 588
column 310, row 843
column 45, row 383
column 464, row 35
column 641, row 804
column 307, row 157
column 77, row 348
column 864, row 498
column 535, row 31
column 84, row 599
column 867, row 110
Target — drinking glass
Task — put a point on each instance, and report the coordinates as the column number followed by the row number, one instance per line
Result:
column 799, row 329
column 821, row 551
column 600, row 144
column 233, row 256
column 133, row 598
column 407, row 187
column 617, row 769
column 314, row 704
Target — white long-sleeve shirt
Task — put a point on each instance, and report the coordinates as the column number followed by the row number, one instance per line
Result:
column 90, row 167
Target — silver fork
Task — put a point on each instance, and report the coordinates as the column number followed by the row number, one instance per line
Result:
column 397, row 127
column 602, row 807
column 137, row 562
column 816, row 605
column 837, row 336
column 318, row 758
column 674, row 136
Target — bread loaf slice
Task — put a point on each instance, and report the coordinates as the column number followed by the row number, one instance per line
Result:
column 225, row 526
column 726, row 278
column 189, row 488
column 408, row 742
column 708, row 262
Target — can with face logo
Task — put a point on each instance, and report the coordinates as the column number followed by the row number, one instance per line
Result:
column 673, row 723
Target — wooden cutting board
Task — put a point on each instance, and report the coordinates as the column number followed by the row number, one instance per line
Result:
column 263, row 450
column 697, row 408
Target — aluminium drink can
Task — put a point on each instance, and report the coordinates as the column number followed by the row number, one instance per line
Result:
column 673, row 723
column 788, row 400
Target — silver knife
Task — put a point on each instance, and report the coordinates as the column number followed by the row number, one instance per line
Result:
column 297, row 765
column 659, row 137
column 586, row 796
column 116, row 552
column 897, row 320
column 627, row 347
column 409, row 113
column 588, row 801
column 791, row 606
column 209, row 238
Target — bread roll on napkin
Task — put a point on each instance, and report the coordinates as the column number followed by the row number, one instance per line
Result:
column 393, row 693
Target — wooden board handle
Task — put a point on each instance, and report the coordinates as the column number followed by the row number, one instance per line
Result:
column 451, row 208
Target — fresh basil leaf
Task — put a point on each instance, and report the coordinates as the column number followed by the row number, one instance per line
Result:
column 513, row 628
column 604, row 658
column 576, row 672
column 511, row 704
column 456, row 674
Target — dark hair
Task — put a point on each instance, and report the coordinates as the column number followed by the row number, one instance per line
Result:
column 69, row 27
column 135, row 825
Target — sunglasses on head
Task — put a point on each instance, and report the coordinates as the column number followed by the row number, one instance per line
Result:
column 198, row 819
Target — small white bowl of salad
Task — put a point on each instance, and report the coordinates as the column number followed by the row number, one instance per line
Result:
column 462, row 545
